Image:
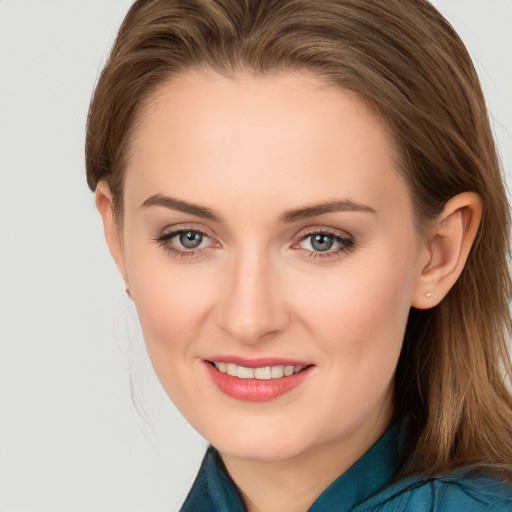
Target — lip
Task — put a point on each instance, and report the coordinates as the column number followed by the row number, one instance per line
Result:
column 256, row 390
column 259, row 362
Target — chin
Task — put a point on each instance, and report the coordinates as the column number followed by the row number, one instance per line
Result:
column 260, row 443
column 264, row 452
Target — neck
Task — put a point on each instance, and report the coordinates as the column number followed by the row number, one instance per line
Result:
column 293, row 484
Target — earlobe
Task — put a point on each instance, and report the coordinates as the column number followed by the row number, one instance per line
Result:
column 104, row 204
column 448, row 244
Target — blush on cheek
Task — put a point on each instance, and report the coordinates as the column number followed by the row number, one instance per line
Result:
column 169, row 325
column 360, row 314
column 162, row 289
column 166, row 315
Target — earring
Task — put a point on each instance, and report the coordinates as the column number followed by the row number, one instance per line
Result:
column 428, row 295
column 128, row 292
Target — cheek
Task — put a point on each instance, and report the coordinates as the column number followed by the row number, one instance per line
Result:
column 359, row 313
column 171, row 300
column 172, row 305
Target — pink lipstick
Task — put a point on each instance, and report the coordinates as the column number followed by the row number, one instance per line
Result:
column 256, row 380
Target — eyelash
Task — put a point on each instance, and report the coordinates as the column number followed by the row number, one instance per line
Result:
column 164, row 240
column 347, row 243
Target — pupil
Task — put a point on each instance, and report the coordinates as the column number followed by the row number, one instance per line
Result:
column 322, row 242
column 190, row 239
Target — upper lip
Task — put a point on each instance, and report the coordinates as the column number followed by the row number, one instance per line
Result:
column 259, row 362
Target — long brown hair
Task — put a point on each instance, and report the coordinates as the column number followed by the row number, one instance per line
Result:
column 405, row 60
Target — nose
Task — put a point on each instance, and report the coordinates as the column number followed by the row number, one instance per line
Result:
column 252, row 308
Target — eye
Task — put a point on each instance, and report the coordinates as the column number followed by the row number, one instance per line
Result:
column 185, row 242
column 326, row 243
column 190, row 239
column 321, row 241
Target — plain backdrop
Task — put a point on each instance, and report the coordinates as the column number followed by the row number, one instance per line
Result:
column 84, row 424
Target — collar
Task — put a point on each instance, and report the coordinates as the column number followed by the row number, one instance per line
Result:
column 213, row 489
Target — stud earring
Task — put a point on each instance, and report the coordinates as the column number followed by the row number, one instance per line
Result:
column 428, row 295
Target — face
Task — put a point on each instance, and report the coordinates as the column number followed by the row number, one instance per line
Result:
column 270, row 249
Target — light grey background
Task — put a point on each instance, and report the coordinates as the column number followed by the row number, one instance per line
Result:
column 70, row 349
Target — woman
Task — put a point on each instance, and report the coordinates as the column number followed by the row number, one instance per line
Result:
column 304, row 201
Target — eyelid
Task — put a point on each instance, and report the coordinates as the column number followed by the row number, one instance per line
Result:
column 323, row 230
column 346, row 241
column 175, row 229
column 167, row 234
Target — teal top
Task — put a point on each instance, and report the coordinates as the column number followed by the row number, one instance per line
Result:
column 367, row 486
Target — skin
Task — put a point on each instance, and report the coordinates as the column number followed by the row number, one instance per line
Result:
column 249, row 149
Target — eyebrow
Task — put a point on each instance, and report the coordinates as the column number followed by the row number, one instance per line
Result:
column 320, row 209
column 181, row 206
column 286, row 217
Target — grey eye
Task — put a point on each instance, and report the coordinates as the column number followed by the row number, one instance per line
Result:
column 190, row 239
column 322, row 242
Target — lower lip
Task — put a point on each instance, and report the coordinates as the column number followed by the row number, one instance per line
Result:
column 255, row 390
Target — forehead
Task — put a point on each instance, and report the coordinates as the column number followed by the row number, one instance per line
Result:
column 286, row 136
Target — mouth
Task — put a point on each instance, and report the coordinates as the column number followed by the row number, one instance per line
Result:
column 256, row 380
column 260, row 373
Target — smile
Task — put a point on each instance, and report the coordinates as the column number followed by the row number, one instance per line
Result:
column 256, row 380
column 262, row 373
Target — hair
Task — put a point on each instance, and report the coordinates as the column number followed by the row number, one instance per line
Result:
column 405, row 60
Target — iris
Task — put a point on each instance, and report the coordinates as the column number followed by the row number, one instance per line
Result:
column 321, row 242
column 190, row 239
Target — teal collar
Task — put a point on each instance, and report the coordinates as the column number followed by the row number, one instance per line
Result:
column 369, row 485
column 213, row 489
column 371, row 474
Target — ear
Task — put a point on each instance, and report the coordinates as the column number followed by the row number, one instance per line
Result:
column 104, row 204
column 448, row 245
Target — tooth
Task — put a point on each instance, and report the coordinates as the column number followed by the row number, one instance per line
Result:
column 277, row 372
column 263, row 373
column 245, row 373
column 232, row 369
column 288, row 370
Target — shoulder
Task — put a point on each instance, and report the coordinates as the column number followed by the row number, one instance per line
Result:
column 462, row 492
